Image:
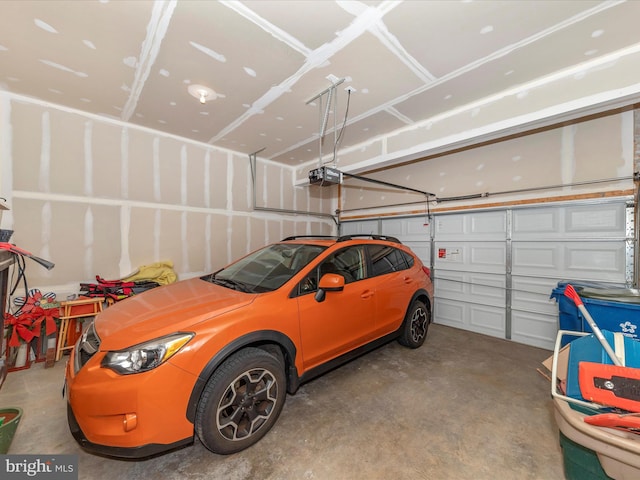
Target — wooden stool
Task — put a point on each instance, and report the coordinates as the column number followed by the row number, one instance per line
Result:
column 93, row 307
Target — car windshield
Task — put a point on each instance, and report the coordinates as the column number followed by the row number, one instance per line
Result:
column 266, row 269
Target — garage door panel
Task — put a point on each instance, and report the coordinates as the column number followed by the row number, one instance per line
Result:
column 481, row 289
column 607, row 220
column 534, row 295
column 532, row 258
column 450, row 227
column 483, row 226
column 534, row 329
column 412, row 232
column 449, row 312
column 491, row 288
column 488, row 320
column 536, row 222
column 474, row 257
column 489, row 255
column 417, row 227
column 492, row 224
column 476, row 318
column 407, row 229
column 570, row 222
column 422, row 250
column 368, row 227
column 450, row 284
column 394, row 228
column 604, row 261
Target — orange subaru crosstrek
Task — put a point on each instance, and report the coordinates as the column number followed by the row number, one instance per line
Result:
column 214, row 356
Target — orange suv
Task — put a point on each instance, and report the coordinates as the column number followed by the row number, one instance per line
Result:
column 216, row 355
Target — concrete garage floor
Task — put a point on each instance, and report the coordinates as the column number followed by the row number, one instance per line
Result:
column 464, row 406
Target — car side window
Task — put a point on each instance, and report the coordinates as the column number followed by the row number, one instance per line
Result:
column 349, row 262
column 386, row 259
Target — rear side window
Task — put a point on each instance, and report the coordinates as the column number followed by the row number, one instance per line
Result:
column 385, row 259
column 349, row 262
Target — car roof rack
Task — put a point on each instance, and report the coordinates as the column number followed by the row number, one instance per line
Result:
column 387, row 238
column 295, row 237
column 344, row 238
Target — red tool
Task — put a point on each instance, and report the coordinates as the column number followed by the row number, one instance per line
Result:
column 19, row 251
column 629, row 422
column 610, row 385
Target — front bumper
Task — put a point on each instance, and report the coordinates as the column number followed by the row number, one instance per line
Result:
column 128, row 416
column 143, row 451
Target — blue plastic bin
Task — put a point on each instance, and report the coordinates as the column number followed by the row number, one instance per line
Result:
column 616, row 309
column 589, row 349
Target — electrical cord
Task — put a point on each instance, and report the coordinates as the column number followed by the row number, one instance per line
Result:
column 21, row 276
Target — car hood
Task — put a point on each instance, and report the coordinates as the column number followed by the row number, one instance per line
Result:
column 164, row 310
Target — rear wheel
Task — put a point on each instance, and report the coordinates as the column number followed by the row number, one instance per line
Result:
column 415, row 326
column 241, row 401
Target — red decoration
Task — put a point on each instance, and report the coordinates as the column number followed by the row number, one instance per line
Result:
column 41, row 315
column 32, row 324
column 21, row 328
column 34, row 299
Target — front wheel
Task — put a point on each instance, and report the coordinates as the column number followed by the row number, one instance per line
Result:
column 415, row 326
column 241, row 401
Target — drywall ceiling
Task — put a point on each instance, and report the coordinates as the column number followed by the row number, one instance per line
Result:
column 404, row 61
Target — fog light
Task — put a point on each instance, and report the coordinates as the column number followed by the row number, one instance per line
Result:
column 130, row 421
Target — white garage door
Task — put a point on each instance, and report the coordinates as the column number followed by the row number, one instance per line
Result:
column 470, row 271
column 494, row 270
column 575, row 242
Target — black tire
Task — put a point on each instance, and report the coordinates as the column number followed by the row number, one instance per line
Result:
column 415, row 326
column 241, row 401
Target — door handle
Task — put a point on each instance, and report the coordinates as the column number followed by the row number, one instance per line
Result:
column 367, row 294
column 408, row 280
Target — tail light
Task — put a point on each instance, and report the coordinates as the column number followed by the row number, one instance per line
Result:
column 427, row 271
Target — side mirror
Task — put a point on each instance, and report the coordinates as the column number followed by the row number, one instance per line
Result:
column 330, row 282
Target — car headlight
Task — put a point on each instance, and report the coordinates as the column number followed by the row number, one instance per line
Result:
column 146, row 356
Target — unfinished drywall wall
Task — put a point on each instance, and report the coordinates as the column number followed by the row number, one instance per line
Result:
column 528, row 166
column 102, row 197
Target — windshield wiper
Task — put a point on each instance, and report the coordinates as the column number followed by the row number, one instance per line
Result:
column 227, row 282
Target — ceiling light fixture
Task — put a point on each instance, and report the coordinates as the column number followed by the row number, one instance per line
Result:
column 201, row 92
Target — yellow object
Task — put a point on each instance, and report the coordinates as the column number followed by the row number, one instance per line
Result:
column 159, row 272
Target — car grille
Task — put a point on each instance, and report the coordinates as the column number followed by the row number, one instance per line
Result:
column 87, row 346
